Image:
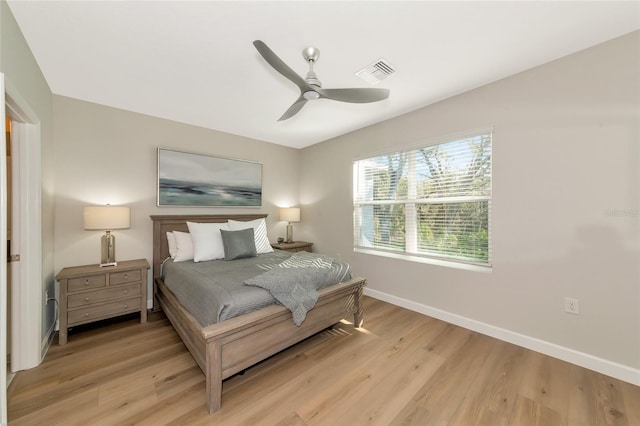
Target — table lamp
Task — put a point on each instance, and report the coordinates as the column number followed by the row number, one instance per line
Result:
column 107, row 218
column 290, row 214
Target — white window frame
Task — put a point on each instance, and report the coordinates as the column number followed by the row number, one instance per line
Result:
column 411, row 252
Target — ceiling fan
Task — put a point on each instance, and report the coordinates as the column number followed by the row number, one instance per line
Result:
column 310, row 87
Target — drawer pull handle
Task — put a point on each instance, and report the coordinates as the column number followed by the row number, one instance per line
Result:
column 86, row 314
column 86, row 299
column 86, row 282
column 126, row 276
column 126, row 292
column 126, row 306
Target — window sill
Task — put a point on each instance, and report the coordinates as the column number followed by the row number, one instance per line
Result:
column 427, row 260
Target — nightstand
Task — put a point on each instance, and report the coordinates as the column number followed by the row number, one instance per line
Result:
column 294, row 246
column 90, row 293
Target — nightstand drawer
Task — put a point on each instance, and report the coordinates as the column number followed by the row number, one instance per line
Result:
column 93, row 313
column 293, row 250
column 293, row 247
column 97, row 296
column 84, row 283
column 124, row 277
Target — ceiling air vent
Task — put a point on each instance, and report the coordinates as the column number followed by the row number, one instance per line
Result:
column 376, row 72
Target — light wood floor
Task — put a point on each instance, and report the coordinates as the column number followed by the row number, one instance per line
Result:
column 402, row 368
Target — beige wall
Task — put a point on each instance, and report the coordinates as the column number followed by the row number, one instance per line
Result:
column 23, row 77
column 565, row 156
column 106, row 155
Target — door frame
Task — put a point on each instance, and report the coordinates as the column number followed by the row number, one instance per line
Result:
column 3, row 263
column 27, row 295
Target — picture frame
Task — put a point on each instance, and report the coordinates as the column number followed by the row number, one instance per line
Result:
column 197, row 180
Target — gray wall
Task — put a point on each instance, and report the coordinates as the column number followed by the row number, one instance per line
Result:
column 565, row 205
column 107, row 155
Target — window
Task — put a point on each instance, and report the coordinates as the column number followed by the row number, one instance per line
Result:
column 432, row 202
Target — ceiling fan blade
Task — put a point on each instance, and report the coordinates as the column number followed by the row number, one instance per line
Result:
column 278, row 64
column 359, row 96
column 293, row 109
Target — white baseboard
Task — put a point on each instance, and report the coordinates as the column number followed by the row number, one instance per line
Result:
column 609, row 368
column 47, row 339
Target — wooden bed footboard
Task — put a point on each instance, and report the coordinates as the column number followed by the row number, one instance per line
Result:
column 223, row 349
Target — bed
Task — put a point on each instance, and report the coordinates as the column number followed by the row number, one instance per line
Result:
column 228, row 347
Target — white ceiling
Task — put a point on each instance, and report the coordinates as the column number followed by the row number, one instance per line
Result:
column 194, row 62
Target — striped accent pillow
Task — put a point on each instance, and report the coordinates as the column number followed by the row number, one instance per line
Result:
column 259, row 232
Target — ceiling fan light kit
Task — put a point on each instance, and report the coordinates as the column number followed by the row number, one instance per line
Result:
column 311, row 95
column 311, row 87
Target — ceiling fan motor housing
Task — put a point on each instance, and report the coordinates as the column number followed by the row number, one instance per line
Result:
column 311, row 54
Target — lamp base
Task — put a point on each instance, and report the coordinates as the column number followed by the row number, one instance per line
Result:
column 289, row 233
column 108, row 244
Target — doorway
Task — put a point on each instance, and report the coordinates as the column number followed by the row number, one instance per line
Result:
column 7, row 127
column 26, row 291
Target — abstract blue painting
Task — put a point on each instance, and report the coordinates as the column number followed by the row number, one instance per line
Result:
column 186, row 179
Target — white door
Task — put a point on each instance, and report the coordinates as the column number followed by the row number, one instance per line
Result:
column 26, row 270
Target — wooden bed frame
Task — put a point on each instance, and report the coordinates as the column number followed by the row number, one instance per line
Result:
column 226, row 348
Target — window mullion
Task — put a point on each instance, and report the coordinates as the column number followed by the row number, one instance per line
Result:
column 411, row 222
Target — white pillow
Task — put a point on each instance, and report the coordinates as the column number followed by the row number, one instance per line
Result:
column 259, row 232
column 184, row 246
column 207, row 240
column 173, row 248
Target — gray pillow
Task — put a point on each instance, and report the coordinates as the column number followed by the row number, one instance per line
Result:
column 238, row 244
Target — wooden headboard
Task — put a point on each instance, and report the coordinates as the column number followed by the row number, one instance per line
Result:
column 167, row 223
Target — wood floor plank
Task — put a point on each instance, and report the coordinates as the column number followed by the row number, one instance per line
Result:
column 83, row 378
column 116, row 410
column 490, row 398
column 598, row 399
column 443, row 395
column 180, row 403
column 272, row 395
column 56, row 413
column 276, row 377
column 631, row 397
column 401, row 368
column 89, row 359
column 291, row 420
column 549, row 382
column 157, row 374
column 530, row 412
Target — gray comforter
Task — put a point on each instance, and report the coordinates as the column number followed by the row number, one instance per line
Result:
column 214, row 291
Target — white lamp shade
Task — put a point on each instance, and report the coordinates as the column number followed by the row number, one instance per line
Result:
column 106, row 217
column 291, row 214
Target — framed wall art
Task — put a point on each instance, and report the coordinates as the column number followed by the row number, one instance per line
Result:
column 186, row 179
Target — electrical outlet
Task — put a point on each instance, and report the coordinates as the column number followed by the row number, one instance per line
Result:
column 572, row 305
column 46, row 297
